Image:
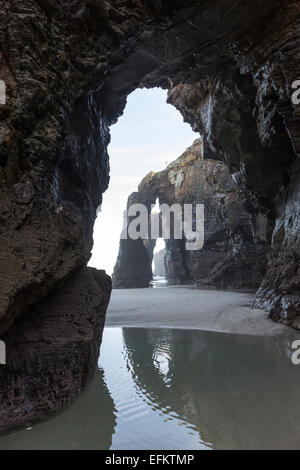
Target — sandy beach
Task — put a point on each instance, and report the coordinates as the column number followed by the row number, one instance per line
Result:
column 187, row 308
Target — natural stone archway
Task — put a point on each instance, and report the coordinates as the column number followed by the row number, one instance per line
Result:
column 68, row 68
column 54, row 160
column 234, row 253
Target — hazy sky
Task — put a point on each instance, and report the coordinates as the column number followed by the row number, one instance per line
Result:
column 150, row 134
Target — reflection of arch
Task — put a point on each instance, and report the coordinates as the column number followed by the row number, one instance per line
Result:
column 226, row 386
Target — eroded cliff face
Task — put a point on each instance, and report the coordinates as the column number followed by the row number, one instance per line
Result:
column 68, row 68
column 232, row 256
column 254, row 143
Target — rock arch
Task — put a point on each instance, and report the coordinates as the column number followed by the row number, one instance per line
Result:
column 238, row 61
column 68, row 68
column 234, row 254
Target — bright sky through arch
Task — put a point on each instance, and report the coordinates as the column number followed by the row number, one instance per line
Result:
column 149, row 135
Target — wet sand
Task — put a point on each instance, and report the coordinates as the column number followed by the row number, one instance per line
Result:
column 187, row 308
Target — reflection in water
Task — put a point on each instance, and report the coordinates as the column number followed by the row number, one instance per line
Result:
column 87, row 425
column 239, row 392
column 143, row 420
column 175, row 389
column 159, row 281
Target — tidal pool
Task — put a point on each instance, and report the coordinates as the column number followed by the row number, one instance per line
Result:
column 180, row 389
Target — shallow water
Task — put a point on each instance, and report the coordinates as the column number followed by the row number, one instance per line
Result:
column 159, row 281
column 179, row 389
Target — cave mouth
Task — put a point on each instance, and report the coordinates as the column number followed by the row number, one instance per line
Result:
column 240, row 169
column 228, row 66
column 220, row 71
column 149, row 136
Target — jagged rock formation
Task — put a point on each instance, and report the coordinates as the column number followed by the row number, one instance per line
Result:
column 262, row 159
column 232, row 257
column 68, row 68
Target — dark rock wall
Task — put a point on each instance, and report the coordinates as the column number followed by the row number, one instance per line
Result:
column 252, row 138
column 47, row 214
column 52, row 352
column 280, row 291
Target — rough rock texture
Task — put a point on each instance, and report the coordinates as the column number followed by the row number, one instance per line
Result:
column 232, row 257
column 47, row 213
column 253, row 141
column 68, row 68
column 52, row 352
column 280, row 291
